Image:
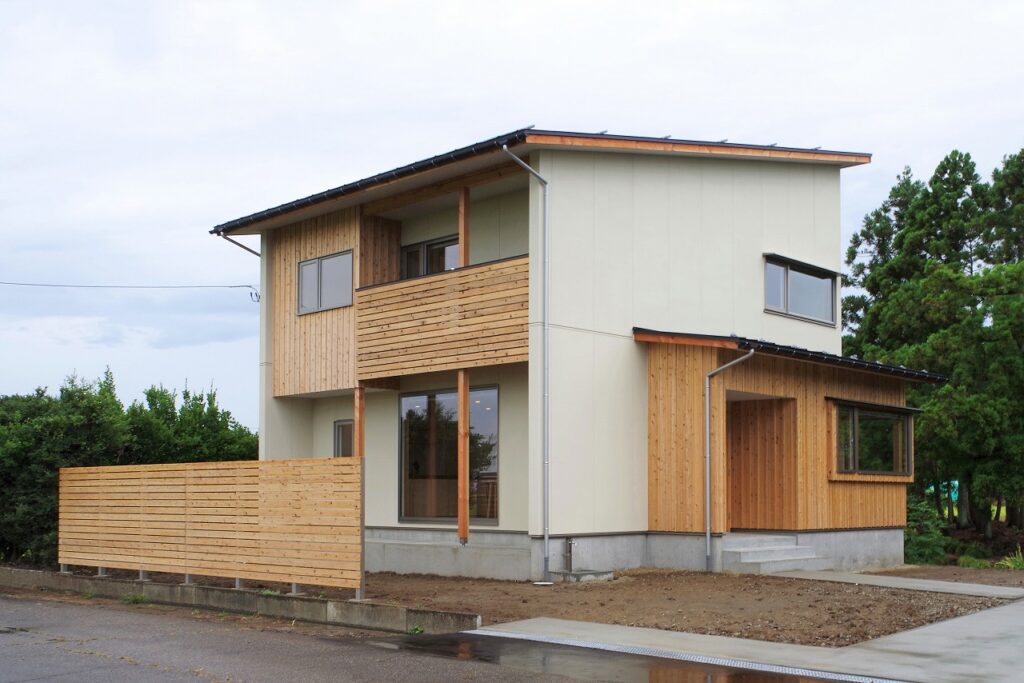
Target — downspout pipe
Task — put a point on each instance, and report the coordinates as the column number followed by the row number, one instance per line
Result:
column 707, row 452
column 545, row 356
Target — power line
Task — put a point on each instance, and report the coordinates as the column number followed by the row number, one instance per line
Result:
column 254, row 293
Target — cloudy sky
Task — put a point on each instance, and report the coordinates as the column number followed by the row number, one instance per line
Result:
column 128, row 129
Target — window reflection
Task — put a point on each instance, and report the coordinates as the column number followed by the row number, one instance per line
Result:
column 429, row 451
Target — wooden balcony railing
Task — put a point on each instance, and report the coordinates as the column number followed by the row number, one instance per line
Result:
column 462, row 318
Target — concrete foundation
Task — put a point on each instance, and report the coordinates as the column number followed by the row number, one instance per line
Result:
column 856, row 549
column 518, row 557
column 354, row 613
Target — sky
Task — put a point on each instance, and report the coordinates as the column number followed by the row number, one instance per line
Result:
column 129, row 129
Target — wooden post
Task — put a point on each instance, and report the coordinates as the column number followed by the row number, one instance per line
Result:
column 359, row 422
column 463, row 481
column 464, row 227
column 463, row 390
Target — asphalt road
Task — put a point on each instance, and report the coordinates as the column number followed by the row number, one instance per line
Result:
column 72, row 639
column 42, row 640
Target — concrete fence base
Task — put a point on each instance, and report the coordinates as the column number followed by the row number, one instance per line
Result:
column 353, row 613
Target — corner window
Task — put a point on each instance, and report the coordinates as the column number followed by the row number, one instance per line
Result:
column 801, row 291
column 427, row 258
column 429, row 455
column 873, row 440
column 325, row 283
column 343, row 439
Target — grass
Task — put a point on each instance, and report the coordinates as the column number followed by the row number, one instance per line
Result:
column 1012, row 561
column 134, row 599
column 267, row 592
column 973, row 562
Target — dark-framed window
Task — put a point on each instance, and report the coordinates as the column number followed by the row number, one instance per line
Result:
column 428, row 453
column 799, row 290
column 325, row 283
column 343, row 437
column 432, row 256
column 874, row 439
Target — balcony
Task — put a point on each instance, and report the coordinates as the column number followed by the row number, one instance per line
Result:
column 463, row 318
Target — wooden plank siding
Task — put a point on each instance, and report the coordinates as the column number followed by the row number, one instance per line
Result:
column 284, row 520
column 464, row 318
column 312, row 352
column 380, row 249
column 773, row 462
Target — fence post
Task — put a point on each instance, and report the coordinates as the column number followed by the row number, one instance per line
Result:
column 101, row 571
column 64, row 569
column 143, row 575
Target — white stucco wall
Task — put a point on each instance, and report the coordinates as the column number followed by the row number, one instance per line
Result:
column 313, row 430
column 666, row 243
column 498, row 226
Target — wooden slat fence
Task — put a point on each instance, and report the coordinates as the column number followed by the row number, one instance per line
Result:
column 291, row 521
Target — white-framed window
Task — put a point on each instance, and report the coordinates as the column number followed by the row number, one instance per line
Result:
column 799, row 290
column 343, row 438
column 325, row 283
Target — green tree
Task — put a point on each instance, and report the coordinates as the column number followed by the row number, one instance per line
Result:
column 938, row 277
column 85, row 425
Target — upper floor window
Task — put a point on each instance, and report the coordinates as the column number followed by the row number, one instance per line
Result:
column 874, row 440
column 325, row 282
column 427, row 258
column 799, row 290
column 343, row 438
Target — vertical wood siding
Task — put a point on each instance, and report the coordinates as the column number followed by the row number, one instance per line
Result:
column 283, row 520
column 796, row 435
column 380, row 248
column 312, row 352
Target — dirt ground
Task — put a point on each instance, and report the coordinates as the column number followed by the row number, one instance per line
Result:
column 991, row 577
column 759, row 607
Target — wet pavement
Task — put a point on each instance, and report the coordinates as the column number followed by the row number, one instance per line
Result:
column 579, row 663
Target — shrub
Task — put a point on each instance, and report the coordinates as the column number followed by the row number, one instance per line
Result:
column 923, row 542
column 1012, row 561
column 973, row 562
column 134, row 599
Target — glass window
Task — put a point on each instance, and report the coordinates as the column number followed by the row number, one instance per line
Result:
column 411, row 257
column 775, row 286
column 343, row 439
column 309, row 286
column 846, row 462
column 810, row 295
column 800, row 291
column 427, row 258
column 873, row 441
column 336, row 281
column 429, row 453
column 325, row 282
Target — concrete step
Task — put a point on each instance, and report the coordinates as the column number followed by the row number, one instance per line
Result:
column 773, row 566
column 742, row 540
column 771, row 552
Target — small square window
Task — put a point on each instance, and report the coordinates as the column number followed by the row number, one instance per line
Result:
column 325, row 283
column 800, row 291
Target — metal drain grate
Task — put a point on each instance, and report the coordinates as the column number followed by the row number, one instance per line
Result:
column 686, row 657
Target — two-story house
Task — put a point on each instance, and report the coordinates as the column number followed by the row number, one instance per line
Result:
column 525, row 340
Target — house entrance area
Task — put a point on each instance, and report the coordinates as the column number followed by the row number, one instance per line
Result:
column 761, row 448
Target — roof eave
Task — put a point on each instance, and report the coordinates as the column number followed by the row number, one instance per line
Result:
column 793, row 352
